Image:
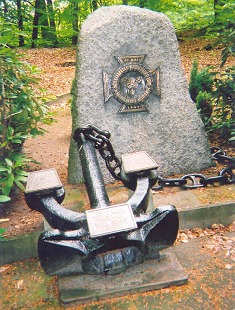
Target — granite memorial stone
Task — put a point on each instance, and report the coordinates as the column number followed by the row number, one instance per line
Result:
column 129, row 81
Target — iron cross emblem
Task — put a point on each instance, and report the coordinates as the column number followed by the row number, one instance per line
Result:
column 131, row 84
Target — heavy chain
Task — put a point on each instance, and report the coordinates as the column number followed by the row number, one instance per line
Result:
column 197, row 180
column 188, row 181
column 104, row 146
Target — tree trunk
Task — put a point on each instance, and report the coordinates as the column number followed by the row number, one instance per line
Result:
column 75, row 9
column 125, row 2
column 35, row 23
column 53, row 35
column 20, row 21
column 40, row 20
column 43, row 20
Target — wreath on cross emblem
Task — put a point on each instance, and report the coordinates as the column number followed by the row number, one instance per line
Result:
column 131, row 84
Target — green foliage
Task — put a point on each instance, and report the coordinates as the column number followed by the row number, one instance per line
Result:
column 2, row 231
column 185, row 14
column 229, row 49
column 224, row 102
column 68, row 15
column 204, row 107
column 224, row 14
column 214, row 95
column 200, row 88
column 12, row 174
column 224, row 28
column 199, row 81
column 20, row 111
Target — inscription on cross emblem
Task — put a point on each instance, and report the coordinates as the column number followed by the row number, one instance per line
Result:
column 131, row 84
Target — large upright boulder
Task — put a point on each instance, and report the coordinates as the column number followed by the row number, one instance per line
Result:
column 130, row 81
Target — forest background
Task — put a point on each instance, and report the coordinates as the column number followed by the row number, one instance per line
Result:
column 53, row 22
column 33, row 24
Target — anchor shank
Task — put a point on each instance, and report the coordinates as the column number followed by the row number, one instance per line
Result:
column 92, row 176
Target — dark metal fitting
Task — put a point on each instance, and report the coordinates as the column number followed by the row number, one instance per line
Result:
column 81, row 130
column 225, row 160
column 228, row 172
column 215, row 151
column 171, row 182
column 195, row 180
column 104, row 133
column 218, row 179
column 113, row 164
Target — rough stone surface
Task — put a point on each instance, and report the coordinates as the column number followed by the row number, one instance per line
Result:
column 171, row 132
column 153, row 274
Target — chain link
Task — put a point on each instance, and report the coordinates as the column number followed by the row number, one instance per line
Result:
column 104, row 146
column 193, row 180
column 228, row 174
column 188, row 181
column 196, row 180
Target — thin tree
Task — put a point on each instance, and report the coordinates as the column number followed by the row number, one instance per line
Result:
column 35, row 23
column 40, row 20
column 51, row 12
column 75, row 20
column 20, row 21
column 43, row 20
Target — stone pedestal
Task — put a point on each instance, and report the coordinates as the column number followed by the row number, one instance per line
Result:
column 153, row 274
column 130, row 82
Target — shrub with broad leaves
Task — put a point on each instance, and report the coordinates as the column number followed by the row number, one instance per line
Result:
column 21, row 112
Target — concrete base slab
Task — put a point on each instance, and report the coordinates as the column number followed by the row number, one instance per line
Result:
column 153, row 274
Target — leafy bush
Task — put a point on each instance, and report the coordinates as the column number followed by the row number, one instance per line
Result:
column 12, row 173
column 214, row 95
column 21, row 112
column 229, row 49
column 224, row 29
column 224, row 103
column 201, row 88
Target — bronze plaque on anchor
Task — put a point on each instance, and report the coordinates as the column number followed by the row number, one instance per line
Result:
column 110, row 220
column 131, row 84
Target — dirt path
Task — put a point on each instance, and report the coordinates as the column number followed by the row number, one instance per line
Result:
column 50, row 151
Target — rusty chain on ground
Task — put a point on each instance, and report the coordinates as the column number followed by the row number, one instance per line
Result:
column 102, row 143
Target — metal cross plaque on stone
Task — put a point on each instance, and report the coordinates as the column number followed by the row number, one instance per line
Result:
column 110, row 220
column 131, row 84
